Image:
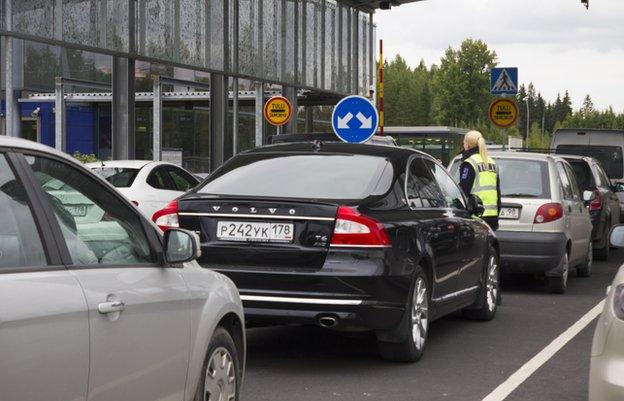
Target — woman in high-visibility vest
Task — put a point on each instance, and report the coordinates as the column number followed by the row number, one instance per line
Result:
column 479, row 176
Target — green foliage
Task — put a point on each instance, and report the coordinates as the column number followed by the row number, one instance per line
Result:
column 85, row 158
column 456, row 93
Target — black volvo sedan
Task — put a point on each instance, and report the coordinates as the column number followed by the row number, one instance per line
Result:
column 348, row 237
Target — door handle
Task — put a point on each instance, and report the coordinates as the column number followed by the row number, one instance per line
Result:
column 111, row 307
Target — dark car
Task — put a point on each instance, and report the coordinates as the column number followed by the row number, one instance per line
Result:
column 347, row 237
column 604, row 209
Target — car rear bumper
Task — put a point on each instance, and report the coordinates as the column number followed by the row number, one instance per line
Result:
column 530, row 252
column 356, row 288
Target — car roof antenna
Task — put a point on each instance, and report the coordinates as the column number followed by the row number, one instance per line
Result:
column 316, row 145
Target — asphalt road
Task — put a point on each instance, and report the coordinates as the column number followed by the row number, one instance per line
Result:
column 464, row 360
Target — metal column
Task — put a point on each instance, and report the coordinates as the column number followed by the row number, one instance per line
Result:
column 309, row 119
column 290, row 93
column 220, row 144
column 259, row 88
column 12, row 117
column 157, row 119
column 123, row 109
column 59, row 115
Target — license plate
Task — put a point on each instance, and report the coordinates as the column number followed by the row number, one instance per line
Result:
column 77, row 210
column 509, row 213
column 255, row 232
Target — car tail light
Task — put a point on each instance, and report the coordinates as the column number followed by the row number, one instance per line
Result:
column 596, row 204
column 354, row 229
column 168, row 217
column 548, row 212
column 618, row 301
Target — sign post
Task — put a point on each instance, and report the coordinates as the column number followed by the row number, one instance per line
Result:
column 503, row 112
column 355, row 119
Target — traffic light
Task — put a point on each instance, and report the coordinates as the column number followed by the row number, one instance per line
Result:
column 585, row 3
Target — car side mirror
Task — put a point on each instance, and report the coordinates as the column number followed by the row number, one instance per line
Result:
column 616, row 237
column 588, row 196
column 181, row 246
column 475, row 205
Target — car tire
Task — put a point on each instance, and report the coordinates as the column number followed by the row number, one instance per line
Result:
column 585, row 269
column 489, row 293
column 221, row 375
column 559, row 284
column 414, row 327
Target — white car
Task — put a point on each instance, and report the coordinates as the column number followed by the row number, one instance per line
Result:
column 95, row 302
column 606, row 374
column 148, row 184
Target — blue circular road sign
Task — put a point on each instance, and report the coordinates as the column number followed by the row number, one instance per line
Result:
column 355, row 119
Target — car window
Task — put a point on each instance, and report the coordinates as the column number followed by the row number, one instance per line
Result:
column 523, row 178
column 453, row 195
column 565, row 182
column 182, row 180
column 301, row 176
column 119, row 177
column 576, row 192
column 609, row 156
column 606, row 182
column 159, row 180
column 583, row 174
column 422, row 190
column 98, row 227
column 20, row 243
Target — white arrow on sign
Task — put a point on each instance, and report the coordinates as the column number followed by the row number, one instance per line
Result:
column 344, row 121
column 366, row 123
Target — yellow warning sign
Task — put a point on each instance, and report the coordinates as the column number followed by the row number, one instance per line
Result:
column 503, row 112
column 277, row 110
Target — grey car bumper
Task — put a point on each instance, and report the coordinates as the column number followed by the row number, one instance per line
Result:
column 531, row 252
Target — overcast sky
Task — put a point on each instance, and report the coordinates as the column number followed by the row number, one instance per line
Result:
column 557, row 44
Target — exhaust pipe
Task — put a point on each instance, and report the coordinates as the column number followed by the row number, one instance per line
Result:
column 328, row 322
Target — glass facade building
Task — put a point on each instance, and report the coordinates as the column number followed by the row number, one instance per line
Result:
column 312, row 51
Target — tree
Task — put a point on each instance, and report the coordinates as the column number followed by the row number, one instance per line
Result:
column 461, row 84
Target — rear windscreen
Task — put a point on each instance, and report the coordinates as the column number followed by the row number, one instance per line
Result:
column 119, row 177
column 609, row 156
column 521, row 178
column 319, row 176
column 583, row 174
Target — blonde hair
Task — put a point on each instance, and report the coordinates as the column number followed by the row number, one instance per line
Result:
column 475, row 139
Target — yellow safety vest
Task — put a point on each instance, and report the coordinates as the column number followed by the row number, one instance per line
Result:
column 484, row 186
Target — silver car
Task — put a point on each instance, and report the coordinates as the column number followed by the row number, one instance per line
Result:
column 544, row 224
column 95, row 303
column 606, row 373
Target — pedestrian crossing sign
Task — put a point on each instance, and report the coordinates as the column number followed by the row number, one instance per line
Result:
column 504, row 81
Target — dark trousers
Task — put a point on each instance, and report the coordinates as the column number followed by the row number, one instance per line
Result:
column 492, row 222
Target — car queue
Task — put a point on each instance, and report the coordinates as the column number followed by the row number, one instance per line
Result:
column 347, row 237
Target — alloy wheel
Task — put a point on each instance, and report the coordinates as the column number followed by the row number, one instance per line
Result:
column 220, row 382
column 492, row 283
column 420, row 313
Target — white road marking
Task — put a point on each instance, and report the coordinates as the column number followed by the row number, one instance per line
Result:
column 508, row 386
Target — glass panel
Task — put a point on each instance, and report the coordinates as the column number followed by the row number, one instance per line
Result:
column 187, row 127
column 97, row 227
column 289, row 45
column 215, row 27
column 158, row 28
column 117, row 25
column 609, row 156
column 345, row 75
column 330, row 45
column 247, row 46
column 20, row 244
column 41, row 65
column 192, row 19
column 313, row 42
column 33, row 17
column 518, row 178
column 272, row 38
column 80, row 22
